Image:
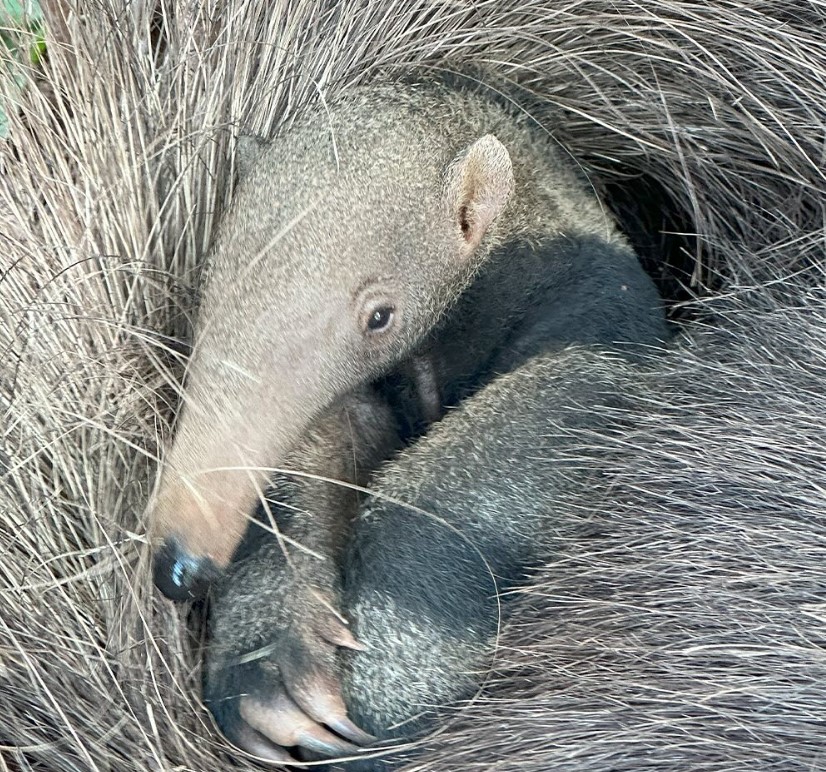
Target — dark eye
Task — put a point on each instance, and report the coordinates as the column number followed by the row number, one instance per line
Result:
column 380, row 319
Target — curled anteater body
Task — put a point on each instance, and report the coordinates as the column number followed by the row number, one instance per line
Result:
column 365, row 225
column 681, row 624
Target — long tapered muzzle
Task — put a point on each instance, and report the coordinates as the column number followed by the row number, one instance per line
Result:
column 215, row 475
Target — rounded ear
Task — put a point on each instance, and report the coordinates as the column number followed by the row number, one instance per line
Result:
column 477, row 187
column 248, row 150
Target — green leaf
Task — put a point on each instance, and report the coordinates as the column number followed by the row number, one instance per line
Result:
column 24, row 17
column 14, row 13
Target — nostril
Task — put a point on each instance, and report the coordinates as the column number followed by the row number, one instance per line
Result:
column 181, row 576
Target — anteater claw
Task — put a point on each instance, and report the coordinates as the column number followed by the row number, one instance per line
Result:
column 323, row 703
column 319, row 697
column 348, row 729
column 289, row 692
column 321, row 741
column 248, row 739
column 283, row 723
column 336, row 632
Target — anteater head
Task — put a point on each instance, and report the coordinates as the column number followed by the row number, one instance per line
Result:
column 347, row 239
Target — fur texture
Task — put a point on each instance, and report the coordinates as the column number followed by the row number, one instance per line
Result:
column 413, row 190
column 686, row 630
column 391, row 197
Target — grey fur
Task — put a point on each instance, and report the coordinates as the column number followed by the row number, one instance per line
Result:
column 685, row 629
column 683, row 624
column 529, row 422
column 353, row 200
column 410, row 171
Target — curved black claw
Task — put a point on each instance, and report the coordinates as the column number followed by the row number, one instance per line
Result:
column 285, row 724
column 181, row 576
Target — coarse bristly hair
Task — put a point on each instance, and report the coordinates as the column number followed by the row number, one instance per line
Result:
column 685, row 626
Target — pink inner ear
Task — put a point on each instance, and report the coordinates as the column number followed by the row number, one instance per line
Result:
column 484, row 205
column 481, row 185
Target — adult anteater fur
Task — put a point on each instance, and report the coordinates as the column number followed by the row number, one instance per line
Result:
column 683, row 627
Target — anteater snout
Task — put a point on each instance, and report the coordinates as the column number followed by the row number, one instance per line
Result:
column 182, row 576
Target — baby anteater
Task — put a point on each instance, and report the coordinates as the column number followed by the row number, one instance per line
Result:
column 412, row 291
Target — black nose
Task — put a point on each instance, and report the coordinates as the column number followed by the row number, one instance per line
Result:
column 181, row 576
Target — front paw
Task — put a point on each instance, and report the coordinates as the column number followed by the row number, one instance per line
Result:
column 272, row 677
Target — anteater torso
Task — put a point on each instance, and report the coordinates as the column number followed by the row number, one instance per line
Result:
column 527, row 300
